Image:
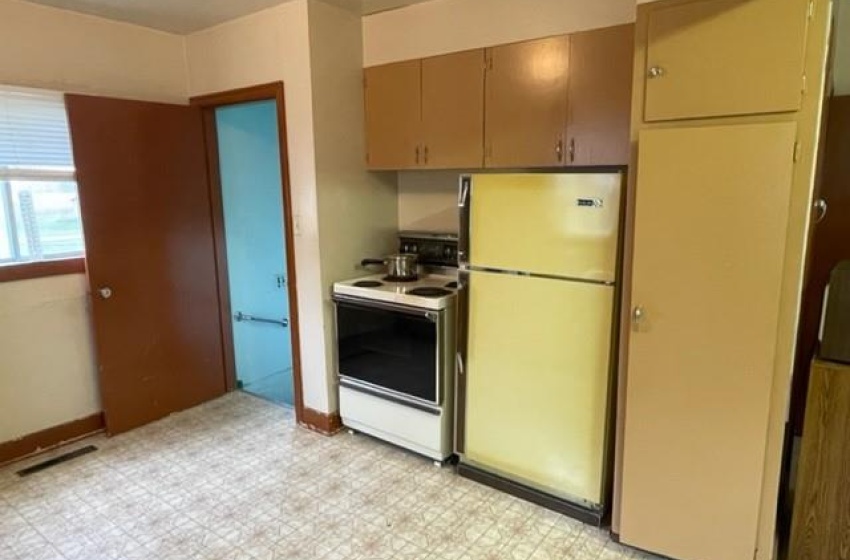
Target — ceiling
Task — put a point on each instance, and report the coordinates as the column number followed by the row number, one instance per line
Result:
column 187, row 16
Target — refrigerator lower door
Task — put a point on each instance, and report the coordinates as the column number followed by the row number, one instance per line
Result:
column 537, row 385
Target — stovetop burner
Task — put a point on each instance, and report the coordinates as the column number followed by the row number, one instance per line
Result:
column 429, row 292
column 368, row 284
column 400, row 279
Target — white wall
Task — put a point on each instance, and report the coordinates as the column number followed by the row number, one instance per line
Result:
column 427, row 201
column 273, row 45
column 48, row 374
column 443, row 26
column 47, row 366
column 56, row 49
column 356, row 209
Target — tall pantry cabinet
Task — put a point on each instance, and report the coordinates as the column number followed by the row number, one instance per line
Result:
column 725, row 121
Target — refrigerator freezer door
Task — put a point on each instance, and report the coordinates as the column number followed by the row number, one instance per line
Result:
column 537, row 381
column 555, row 224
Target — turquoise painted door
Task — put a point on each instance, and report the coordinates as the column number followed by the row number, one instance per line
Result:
column 249, row 161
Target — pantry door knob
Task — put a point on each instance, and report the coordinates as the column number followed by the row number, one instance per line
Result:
column 656, row 72
column 105, row 293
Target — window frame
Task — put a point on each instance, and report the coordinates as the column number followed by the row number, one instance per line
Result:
column 59, row 264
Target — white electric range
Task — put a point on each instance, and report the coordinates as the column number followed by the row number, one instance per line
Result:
column 396, row 352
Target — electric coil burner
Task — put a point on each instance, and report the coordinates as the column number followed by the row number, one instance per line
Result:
column 430, row 292
column 395, row 345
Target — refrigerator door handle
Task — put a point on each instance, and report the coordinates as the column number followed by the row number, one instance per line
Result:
column 459, row 363
column 463, row 192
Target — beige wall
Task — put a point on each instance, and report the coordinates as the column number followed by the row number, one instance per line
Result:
column 273, row 45
column 356, row 209
column 47, row 366
column 443, row 26
column 60, row 50
column 427, row 201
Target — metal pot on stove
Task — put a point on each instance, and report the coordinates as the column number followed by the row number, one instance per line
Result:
column 400, row 266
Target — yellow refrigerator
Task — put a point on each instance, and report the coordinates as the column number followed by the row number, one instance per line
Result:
column 539, row 257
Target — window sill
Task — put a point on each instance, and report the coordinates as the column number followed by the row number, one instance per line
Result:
column 41, row 269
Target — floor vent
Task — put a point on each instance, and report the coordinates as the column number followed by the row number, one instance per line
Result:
column 57, row 460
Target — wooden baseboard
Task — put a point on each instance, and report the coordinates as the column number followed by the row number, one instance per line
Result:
column 327, row 424
column 50, row 438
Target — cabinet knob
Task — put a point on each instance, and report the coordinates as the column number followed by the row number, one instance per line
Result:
column 105, row 293
column 656, row 72
column 559, row 150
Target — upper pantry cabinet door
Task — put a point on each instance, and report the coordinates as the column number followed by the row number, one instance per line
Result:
column 600, row 96
column 526, row 103
column 453, row 110
column 393, row 113
column 713, row 58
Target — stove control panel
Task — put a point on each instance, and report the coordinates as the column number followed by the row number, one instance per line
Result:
column 435, row 249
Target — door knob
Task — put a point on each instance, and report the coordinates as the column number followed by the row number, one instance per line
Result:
column 638, row 315
column 105, row 293
column 656, row 72
column 821, row 206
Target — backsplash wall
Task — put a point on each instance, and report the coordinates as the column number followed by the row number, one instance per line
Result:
column 427, row 201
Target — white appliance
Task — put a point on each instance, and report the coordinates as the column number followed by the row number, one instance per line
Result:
column 396, row 349
column 539, row 260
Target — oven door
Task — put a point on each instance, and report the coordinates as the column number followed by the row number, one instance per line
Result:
column 388, row 350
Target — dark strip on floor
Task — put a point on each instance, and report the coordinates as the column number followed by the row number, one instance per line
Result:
column 57, row 460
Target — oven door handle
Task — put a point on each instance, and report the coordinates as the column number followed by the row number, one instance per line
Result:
column 431, row 315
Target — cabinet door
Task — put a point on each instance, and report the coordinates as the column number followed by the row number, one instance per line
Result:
column 736, row 57
column 526, row 103
column 453, row 110
column 710, row 230
column 600, row 96
column 393, row 114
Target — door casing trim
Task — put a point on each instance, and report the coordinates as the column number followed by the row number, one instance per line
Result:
column 273, row 91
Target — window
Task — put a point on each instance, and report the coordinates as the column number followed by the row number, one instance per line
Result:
column 39, row 206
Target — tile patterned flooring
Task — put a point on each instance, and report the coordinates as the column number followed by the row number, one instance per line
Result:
column 235, row 479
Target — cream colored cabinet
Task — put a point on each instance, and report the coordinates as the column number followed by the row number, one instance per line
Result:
column 718, row 57
column 426, row 113
column 526, row 103
column 600, row 96
column 711, row 223
column 392, row 95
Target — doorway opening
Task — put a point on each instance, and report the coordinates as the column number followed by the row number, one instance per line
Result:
column 252, row 215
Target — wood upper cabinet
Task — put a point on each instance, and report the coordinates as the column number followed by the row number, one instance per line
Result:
column 526, row 103
column 426, row 113
column 392, row 94
column 728, row 62
column 600, row 96
column 453, row 110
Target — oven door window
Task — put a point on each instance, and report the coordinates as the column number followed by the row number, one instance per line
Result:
column 388, row 349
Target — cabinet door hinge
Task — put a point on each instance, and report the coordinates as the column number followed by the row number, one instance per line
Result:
column 798, row 148
column 805, row 84
column 488, row 60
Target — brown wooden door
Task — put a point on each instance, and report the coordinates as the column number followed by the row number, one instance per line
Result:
column 526, row 103
column 725, row 57
column 393, row 115
column 145, row 204
column 600, row 96
column 453, row 110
